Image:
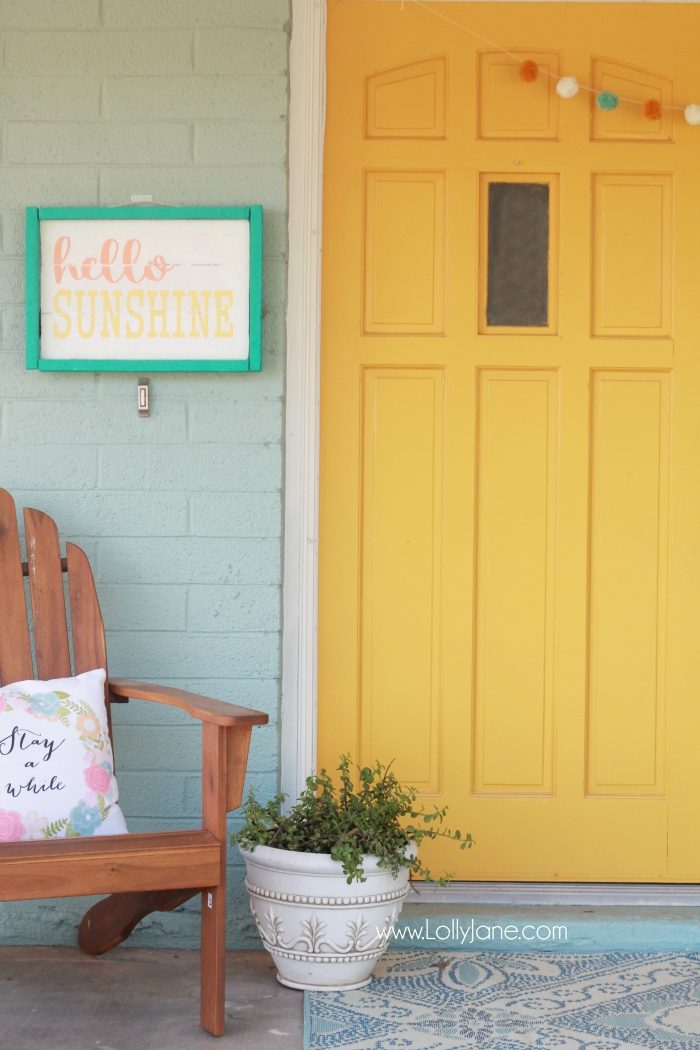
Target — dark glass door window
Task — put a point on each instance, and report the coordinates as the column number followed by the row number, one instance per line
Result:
column 517, row 292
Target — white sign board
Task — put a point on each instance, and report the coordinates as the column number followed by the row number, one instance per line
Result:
column 144, row 290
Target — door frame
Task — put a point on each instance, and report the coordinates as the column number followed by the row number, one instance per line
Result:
column 307, row 83
column 307, row 76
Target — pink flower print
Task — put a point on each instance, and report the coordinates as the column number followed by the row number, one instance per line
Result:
column 97, row 779
column 3, row 702
column 11, row 827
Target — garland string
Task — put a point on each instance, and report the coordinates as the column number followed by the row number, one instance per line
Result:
column 518, row 58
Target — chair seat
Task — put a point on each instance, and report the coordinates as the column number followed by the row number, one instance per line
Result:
column 109, row 864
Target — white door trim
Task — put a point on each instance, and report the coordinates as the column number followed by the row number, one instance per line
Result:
column 307, row 67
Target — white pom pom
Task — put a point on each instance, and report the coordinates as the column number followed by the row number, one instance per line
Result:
column 567, row 87
column 692, row 113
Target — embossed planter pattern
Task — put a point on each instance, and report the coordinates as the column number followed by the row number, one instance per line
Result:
column 322, row 933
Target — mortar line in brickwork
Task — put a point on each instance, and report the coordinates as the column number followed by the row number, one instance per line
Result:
column 194, row 49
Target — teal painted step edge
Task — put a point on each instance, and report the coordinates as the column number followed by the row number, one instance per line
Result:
column 587, row 929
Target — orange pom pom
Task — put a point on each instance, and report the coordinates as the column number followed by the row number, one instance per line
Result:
column 529, row 71
column 652, row 109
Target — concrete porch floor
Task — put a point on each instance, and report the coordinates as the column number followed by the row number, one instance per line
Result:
column 137, row 999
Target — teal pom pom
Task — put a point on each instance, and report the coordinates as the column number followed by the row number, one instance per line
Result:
column 607, row 100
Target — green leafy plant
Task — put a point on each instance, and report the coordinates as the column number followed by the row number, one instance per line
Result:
column 379, row 817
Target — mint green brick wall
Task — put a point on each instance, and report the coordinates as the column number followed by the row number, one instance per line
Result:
column 180, row 513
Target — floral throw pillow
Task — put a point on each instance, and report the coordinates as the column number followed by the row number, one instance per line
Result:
column 56, row 765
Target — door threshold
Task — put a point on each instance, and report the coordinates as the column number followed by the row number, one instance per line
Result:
column 563, row 893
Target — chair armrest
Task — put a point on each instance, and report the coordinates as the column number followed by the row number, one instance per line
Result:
column 219, row 712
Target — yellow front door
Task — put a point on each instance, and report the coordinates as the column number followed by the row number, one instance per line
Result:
column 510, row 451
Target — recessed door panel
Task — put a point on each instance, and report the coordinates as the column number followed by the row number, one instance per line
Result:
column 404, row 253
column 632, row 255
column 516, row 450
column 400, row 654
column 628, row 583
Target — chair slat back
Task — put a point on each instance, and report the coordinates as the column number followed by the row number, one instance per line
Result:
column 87, row 628
column 89, row 646
column 15, row 650
column 45, row 569
column 46, row 590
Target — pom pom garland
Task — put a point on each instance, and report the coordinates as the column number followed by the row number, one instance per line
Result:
column 529, row 71
column 567, row 87
column 607, row 100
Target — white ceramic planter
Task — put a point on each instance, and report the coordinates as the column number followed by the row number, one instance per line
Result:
column 322, row 933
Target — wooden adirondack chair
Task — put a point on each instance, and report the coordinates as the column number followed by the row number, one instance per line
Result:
column 143, row 872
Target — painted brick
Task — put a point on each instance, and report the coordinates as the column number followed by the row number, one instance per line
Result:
column 215, row 608
column 173, row 185
column 156, row 749
column 264, row 786
column 13, row 327
column 246, row 468
column 245, row 561
column 244, row 514
column 241, row 52
column 212, row 387
column 241, row 931
column 192, row 804
column 262, row 694
column 98, row 143
column 265, row 755
column 146, row 527
column 275, row 235
column 98, row 53
column 48, row 468
column 49, row 98
column 16, row 382
column 147, row 795
column 203, row 386
column 145, row 713
column 214, row 13
column 67, row 422
column 274, row 283
column 42, row 14
column 50, row 186
column 99, row 513
column 146, row 654
column 165, row 98
column 243, row 423
column 47, row 922
column 138, row 824
column 12, row 223
column 274, row 333
column 228, row 142
column 166, row 748
column 166, row 929
column 11, row 281
column 135, row 607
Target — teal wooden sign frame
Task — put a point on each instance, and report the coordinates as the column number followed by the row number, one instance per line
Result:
column 115, row 261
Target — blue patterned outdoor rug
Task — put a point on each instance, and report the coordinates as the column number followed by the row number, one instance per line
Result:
column 421, row 1000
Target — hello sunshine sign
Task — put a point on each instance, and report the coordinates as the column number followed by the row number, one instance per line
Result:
column 144, row 289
